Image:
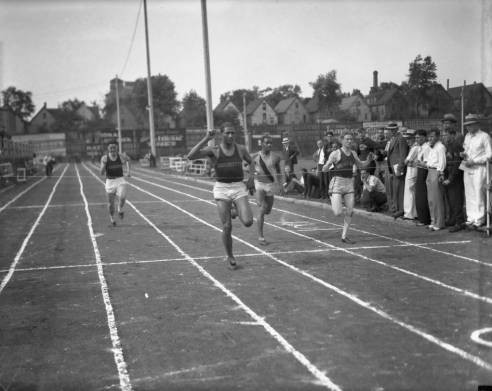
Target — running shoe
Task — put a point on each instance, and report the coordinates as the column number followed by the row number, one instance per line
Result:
column 262, row 241
column 347, row 240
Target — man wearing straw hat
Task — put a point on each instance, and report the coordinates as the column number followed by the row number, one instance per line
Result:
column 477, row 150
column 289, row 153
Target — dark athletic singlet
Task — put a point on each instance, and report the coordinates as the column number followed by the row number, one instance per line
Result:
column 344, row 167
column 229, row 169
column 114, row 168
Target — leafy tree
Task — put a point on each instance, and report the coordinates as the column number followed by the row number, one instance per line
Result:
column 285, row 91
column 194, row 109
column 327, row 89
column 422, row 72
column 19, row 101
column 164, row 98
column 226, row 116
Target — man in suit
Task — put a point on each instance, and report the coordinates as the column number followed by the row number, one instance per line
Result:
column 320, row 156
column 289, row 153
column 397, row 153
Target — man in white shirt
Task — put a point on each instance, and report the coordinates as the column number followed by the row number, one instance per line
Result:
column 477, row 150
column 421, row 200
column 436, row 163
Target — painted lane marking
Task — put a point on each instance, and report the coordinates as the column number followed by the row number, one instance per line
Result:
column 11, row 271
column 119, row 359
column 476, row 337
column 444, row 345
column 320, row 376
column 205, row 258
column 381, row 263
column 461, row 257
column 5, row 206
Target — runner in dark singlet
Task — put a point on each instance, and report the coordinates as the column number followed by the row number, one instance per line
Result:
column 227, row 159
column 345, row 162
column 112, row 168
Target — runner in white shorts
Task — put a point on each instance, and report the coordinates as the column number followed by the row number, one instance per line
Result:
column 112, row 167
column 227, row 159
column 345, row 162
column 268, row 180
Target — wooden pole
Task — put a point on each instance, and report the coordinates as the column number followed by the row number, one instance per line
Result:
column 208, row 83
column 149, row 86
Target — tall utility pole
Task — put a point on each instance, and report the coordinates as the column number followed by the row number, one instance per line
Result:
column 245, row 124
column 463, row 107
column 118, row 118
column 149, row 85
column 208, row 84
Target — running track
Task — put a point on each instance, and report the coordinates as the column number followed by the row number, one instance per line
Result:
column 151, row 305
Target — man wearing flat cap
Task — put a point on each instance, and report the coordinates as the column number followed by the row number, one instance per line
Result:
column 477, row 150
column 397, row 153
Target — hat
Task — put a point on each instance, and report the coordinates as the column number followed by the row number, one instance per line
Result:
column 285, row 140
column 449, row 117
column 471, row 119
column 392, row 126
column 410, row 133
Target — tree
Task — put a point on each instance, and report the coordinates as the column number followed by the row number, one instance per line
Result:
column 279, row 93
column 194, row 109
column 164, row 98
column 327, row 89
column 19, row 101
column 422, row 72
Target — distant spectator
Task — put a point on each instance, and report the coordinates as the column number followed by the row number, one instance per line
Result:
column 311, row 184
column 49, row 162
column 373, row 194
column 453, row 176
column 409, row 206
column 421, row 202
column 397, row 153
column 477, row 150
column 292, row 182
column 289, row 153
column 320, row 156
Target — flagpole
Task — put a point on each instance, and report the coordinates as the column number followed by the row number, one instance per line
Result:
column 149, row 85
column 118, row 118
column 208, row 84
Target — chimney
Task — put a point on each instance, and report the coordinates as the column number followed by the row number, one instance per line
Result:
column 375, row 79
column 447, row 84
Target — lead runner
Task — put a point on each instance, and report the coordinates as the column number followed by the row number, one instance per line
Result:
column 227, row 159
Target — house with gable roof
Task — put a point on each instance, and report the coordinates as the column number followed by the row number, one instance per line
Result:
column 477, row 98
column 44, row 119
column 356, row 107
column 291, row 111
column 387, row 104
column 228, row 106
column 260, row 112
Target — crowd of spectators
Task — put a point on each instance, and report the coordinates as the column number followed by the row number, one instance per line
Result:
column 436, row 178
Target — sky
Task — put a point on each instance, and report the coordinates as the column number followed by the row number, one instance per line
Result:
column 69, row 49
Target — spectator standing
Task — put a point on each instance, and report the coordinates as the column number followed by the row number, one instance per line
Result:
column 409, row 206
column 453, row 176
column 397, row 153
column 421, row 201
column 320, row 157
column 436, row 164
column 477, row 150
column 289, row 153
column 373, row 192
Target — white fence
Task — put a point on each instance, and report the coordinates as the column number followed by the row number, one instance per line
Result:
column 182, row 165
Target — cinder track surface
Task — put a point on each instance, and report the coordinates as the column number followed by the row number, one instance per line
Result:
column 151, row 305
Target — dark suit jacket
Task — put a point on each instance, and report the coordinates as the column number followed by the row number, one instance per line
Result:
column 290, row 154
column 397, row 152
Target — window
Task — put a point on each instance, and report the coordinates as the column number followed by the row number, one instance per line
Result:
column 264, row 106
column 264, row 117
column 297, row 105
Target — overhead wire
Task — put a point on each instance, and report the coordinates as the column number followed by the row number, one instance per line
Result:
column 132, row 40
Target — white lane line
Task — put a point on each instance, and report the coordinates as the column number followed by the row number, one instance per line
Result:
column 119, row 359
column 203, row 258
column 320, row 375
column 347, row 251
column 461, row 257
column 429, row 337
column 11, row 271
column 476, row 337
column 5, row 206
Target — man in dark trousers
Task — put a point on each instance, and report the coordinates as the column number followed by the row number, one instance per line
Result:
column 397, row 153
column 289, row 153
column 453, row 176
